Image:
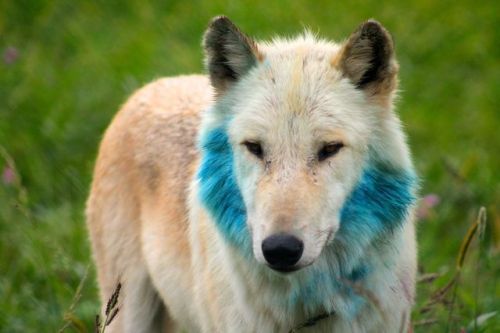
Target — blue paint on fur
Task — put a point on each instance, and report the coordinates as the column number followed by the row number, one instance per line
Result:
column 219, row 191
column 321, row 289
column 377, row 206
column 358, row 274
column 379, row 202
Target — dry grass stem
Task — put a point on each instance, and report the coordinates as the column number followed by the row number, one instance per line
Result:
column 69, row 316
column 111, row 310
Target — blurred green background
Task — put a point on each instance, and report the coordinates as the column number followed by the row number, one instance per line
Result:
column 67, row 66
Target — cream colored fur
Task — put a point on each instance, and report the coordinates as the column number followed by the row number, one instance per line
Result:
column 150, row 231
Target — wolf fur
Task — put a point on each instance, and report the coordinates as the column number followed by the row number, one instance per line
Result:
column 179, row 206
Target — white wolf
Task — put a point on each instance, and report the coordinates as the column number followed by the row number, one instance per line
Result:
column 291, row 211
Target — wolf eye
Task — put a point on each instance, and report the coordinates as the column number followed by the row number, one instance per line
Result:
column 255, row 148
column 329, row 150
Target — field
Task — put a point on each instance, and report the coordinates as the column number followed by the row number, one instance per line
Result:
column 67, row 66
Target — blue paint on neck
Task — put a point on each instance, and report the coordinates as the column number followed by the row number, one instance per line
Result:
column 218, row 190
column 358, row 274
column 324, row 290
column 379, row 203
column 377, row 207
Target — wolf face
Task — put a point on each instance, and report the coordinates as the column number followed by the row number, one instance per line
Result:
column 301, row 150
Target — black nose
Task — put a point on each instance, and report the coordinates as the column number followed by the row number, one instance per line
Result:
column 282, row 251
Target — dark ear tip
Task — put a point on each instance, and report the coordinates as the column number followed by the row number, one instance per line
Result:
column 219, row 21
column 373, row 27
column 373, row 24
column 215, row 27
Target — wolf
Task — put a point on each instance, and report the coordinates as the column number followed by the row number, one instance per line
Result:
column 275, row 194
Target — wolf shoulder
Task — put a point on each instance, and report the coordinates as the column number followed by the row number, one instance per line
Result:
column 157, row 128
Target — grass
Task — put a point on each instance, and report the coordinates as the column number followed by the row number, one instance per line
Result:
column 68, row 65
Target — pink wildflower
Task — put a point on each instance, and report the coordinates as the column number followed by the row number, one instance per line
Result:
column 8, row 175
column 426, row 204
column 10, row 55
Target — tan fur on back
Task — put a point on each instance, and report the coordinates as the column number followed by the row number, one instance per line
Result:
column 146, row 160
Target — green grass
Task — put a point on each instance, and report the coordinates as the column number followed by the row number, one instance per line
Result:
column 78, row 61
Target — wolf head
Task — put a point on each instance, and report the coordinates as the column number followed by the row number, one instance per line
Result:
column 301, row 149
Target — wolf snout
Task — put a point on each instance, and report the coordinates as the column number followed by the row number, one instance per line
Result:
column 282, row 251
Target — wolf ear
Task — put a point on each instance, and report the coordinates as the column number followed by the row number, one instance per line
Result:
column 229, row 53
column 368, row 60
